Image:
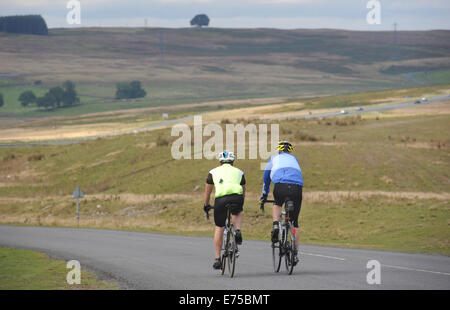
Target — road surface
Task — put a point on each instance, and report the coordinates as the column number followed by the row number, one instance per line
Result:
column 353, row 110
column 155, row 261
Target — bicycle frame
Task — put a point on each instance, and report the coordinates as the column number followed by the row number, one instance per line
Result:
column 229, row 246
column 285, row 247
column 229, row 249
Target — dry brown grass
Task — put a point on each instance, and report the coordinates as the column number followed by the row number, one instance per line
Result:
column 424, row 145
column 113, row 153
column 337, row 197
column 63, row 132
column 435, row 108
column 130, row 198
column 19, row 169
column 309, row 196
column 125, row 219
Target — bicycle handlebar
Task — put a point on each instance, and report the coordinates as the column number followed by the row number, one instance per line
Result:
column 261, row 207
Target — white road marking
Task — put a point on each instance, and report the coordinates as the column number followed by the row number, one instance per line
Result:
column 419, row 270
column 325, row 256
column 388, row 266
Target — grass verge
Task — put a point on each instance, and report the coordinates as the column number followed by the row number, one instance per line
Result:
column 30, row 270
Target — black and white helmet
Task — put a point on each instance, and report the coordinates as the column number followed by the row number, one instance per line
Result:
column 226, row 157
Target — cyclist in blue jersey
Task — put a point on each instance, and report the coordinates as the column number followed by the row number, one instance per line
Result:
column 283, row 170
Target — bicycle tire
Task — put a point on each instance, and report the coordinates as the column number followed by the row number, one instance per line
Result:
column 290, row 249
column 224, row 255
column 231, row 257
column 277, row 253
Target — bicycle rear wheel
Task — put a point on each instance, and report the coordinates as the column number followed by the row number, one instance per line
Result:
column 289, row 256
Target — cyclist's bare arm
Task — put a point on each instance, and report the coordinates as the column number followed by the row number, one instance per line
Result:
column 243, row 191
column 208, row 190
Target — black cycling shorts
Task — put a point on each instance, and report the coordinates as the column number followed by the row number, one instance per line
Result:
column 220, row 212
column 283, row 192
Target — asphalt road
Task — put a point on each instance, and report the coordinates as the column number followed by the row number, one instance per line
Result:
column 154, row 261
column 353, row 110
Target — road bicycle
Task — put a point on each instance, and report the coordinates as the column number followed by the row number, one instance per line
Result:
column 230, row 251
column 285, row 246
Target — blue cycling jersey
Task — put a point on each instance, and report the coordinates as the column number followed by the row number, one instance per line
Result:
column 282, row 168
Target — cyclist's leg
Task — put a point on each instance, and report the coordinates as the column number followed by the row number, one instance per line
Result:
column 237, row 203
column 218, row 240
column 237, row 220
column 276, row 212
column 297, row 237
column 279, row 197
column 297, row 207
column 220, row 215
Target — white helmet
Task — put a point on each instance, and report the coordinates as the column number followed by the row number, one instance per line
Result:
column 226, row 157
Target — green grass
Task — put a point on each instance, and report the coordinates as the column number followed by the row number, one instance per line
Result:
column 12, row 105
column 352, row 154
column 11, row 94
column 440, row 76
column 30, row 270
column 409, row 225
column 100, row 98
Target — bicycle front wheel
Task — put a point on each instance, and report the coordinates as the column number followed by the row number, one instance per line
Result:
column 231, row 257
column 289, row 256
column 224, row 253
column 277, row 253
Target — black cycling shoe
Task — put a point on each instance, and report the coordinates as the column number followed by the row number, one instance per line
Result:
column 274, row 234
column 217, row 264
column 238, row 236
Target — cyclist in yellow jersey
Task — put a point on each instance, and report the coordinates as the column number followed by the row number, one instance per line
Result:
column 229, row 183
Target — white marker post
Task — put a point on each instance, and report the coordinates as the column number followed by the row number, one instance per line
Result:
column 78, row 194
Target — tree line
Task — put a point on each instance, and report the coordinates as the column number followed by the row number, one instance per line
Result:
column 26, row 24
column 55, row 97
column 130, row 90
column 66, row 95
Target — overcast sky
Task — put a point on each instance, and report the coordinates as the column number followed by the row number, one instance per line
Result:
column 286, row 14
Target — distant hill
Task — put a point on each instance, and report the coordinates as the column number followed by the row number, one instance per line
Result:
column 188, row 65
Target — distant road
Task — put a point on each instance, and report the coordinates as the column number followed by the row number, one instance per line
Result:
column 353, row 110
column 154, row 261
column 174, row 121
